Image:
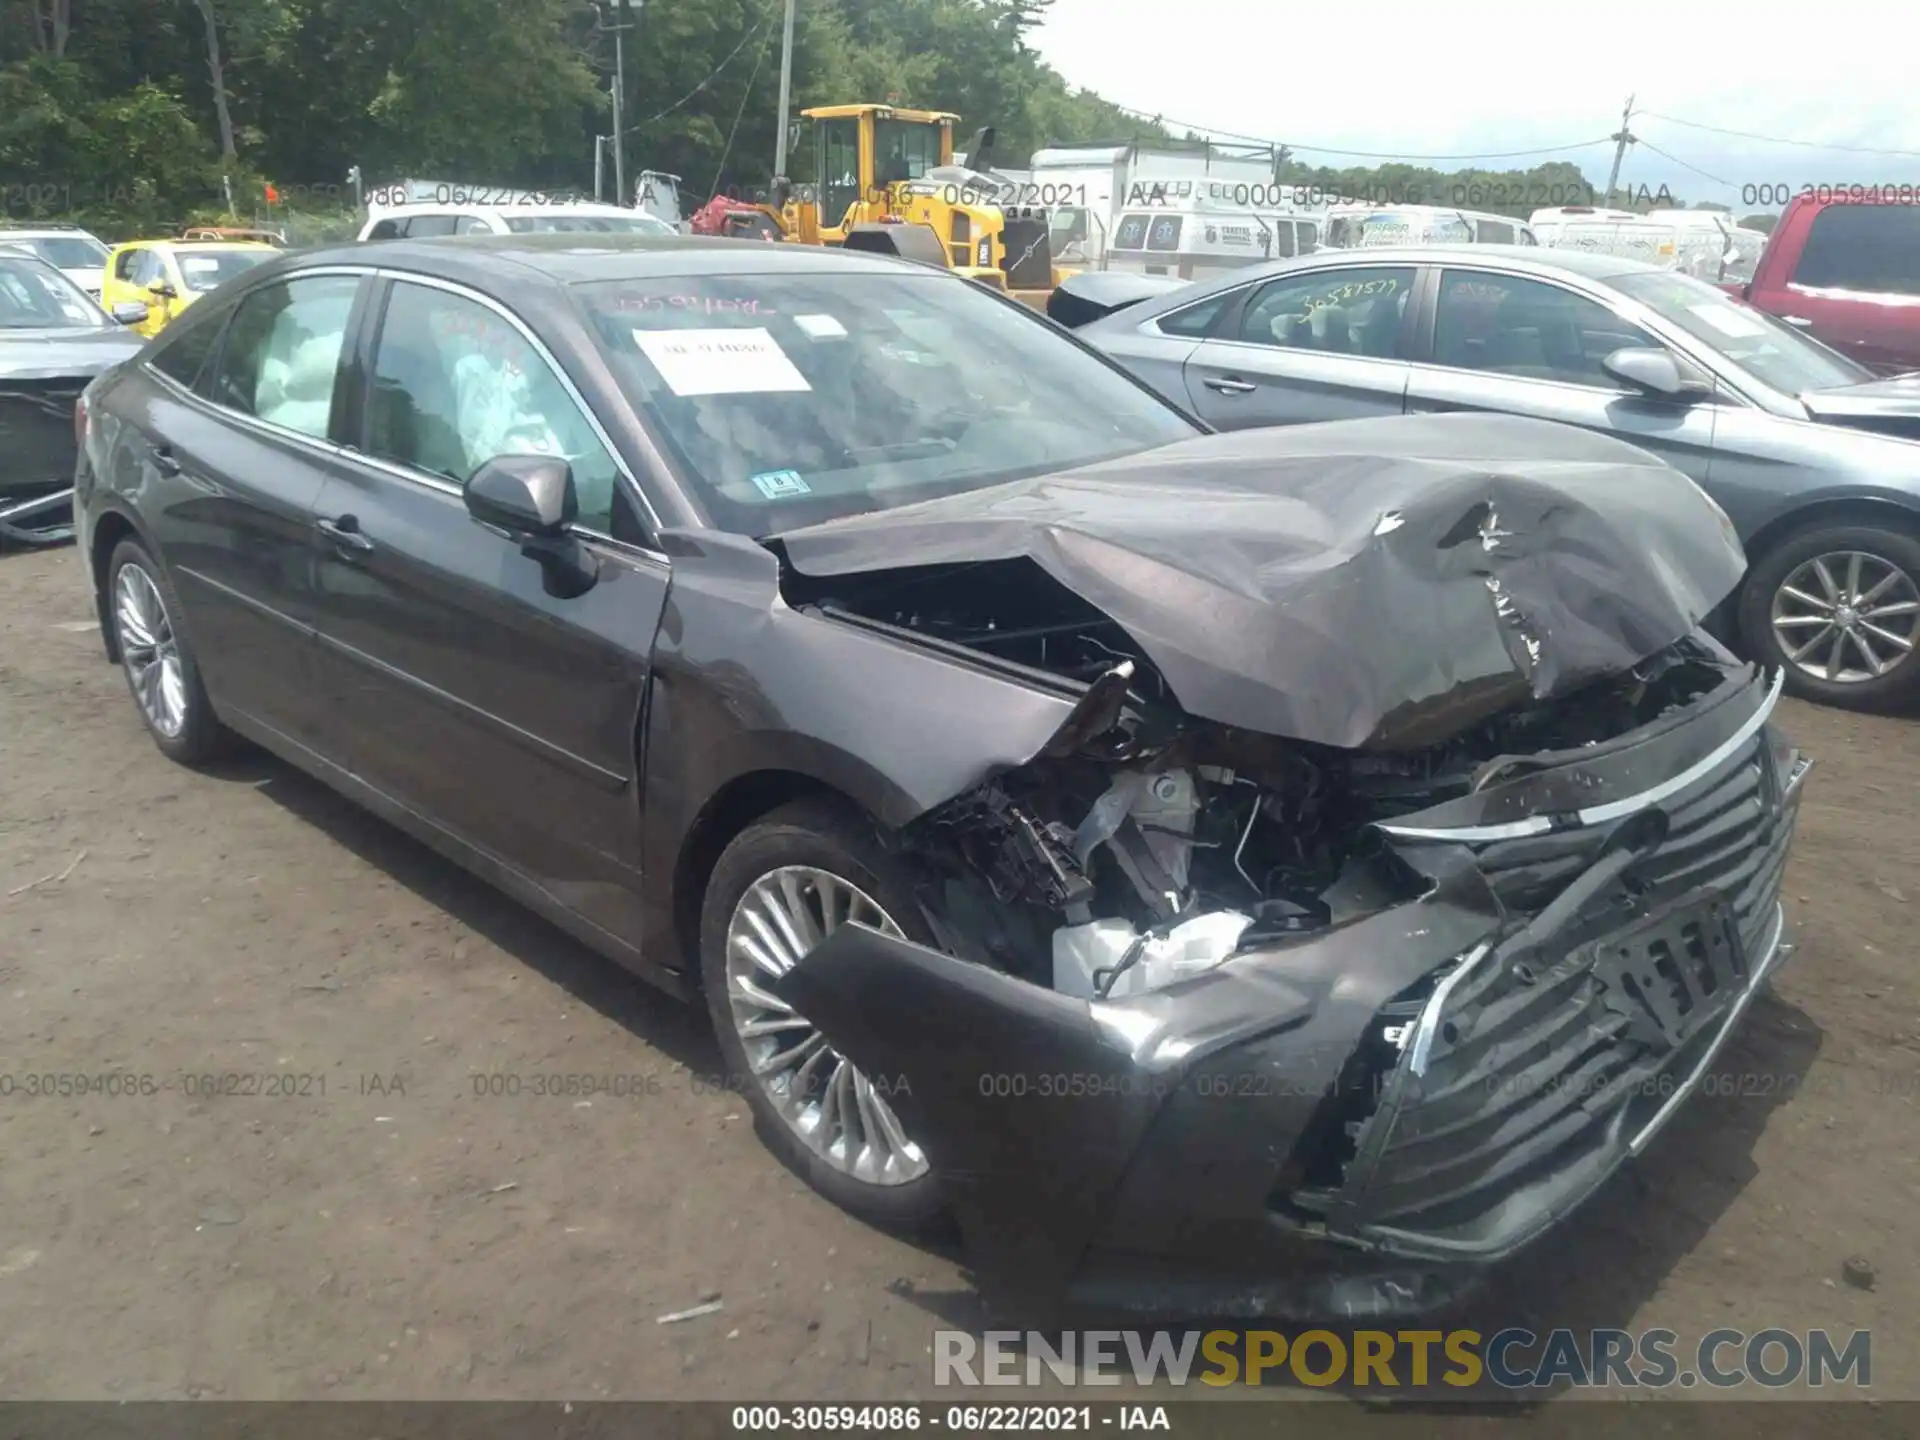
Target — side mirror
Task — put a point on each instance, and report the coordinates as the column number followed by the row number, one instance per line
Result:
column 528, row 496
column 130, row 312
column 531, row 500
column 1655, row 372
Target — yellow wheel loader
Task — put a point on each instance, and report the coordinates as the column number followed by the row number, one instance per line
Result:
column 885, row 181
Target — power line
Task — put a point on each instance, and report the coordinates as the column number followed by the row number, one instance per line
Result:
column 1687, row 165
column 746, row 95
column 1166, row 120
column 1777, row 139
column 744, row 41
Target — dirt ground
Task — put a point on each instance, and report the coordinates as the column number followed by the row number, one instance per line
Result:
column 384, row 1231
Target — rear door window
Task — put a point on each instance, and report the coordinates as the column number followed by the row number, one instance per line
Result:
column 388, row 229
column 283, row 352
column 188, row 345
column 1871, row 248
column 1358, row 311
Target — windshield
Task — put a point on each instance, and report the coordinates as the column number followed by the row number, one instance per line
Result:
column 602, row 224
column 203, row 270
column 37, row 297
column 794, row 399
column 1774, row 353
column 67, row 252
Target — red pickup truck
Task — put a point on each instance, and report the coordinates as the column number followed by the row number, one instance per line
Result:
column 1845, row 267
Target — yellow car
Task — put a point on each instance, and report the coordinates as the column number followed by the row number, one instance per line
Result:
column 169, row 275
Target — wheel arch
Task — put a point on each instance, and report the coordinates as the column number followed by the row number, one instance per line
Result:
column 728, row 812
column 110, row 527
column 1875, row 510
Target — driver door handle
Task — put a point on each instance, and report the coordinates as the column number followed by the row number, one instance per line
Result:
column 1799, row 320
column 164, row 461
column 1228, row 385
column 345, row 535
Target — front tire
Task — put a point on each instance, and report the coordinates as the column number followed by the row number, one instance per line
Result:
column 783, row 885
column 162, row 673
column 1838, row 608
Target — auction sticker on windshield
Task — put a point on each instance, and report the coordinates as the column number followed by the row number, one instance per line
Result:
column 779, row 484
column 720, row 362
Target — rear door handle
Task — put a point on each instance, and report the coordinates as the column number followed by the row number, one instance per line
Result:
column 345, row 535
column 1799, row 320
column 163, row 460
column 1227, row 385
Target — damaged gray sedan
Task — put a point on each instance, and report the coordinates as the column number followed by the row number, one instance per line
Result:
column 1281, row 872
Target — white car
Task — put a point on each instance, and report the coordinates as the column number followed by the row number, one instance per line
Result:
column 426, row 218
column 75, row 253
column 1365, row 227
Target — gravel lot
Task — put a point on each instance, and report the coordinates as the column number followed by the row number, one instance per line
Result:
column 385, row 1232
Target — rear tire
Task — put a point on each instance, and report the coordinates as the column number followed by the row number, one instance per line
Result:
column 800, row 852
column 158, row 661
column 1837, row 608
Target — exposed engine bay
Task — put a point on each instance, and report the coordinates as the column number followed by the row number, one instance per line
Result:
column 1147, row 844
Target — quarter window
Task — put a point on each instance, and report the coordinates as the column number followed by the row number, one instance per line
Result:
column 455, row 385
column 1196, row 321
column 283, row 350
column 1513, row 326
column 1339, row 312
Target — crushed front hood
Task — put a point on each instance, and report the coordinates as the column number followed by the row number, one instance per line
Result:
column 1364, row 584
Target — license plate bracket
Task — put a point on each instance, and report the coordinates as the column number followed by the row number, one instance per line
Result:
column 1673, row 973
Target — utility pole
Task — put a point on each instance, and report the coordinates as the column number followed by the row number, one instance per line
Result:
column 1621, row 138
column 786, row 98
column 617, row 11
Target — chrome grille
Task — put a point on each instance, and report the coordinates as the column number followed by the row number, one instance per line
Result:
column 1540, row 1072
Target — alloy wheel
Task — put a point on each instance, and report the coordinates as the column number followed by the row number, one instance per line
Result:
column 837, row 1112
column 1847, row 617
column 150, row 651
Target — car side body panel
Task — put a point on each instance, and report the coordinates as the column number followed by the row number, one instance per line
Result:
column 737, row 692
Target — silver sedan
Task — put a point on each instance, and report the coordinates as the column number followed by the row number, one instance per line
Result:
column 1816, row 462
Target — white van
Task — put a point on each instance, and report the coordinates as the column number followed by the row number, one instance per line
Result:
column 1702, row 231
column 1202, row 243
column 1360, row 227
column 1702, row 243
column 1547, row 224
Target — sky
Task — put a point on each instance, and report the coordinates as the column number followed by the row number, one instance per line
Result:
column 1486, row 76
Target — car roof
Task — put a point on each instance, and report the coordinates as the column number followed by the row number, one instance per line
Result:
column 173, row 242
column 467, row 207
column 1531, row 259
column 577, row 257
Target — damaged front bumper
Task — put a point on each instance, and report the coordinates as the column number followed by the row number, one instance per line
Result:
column 1358, row 1122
